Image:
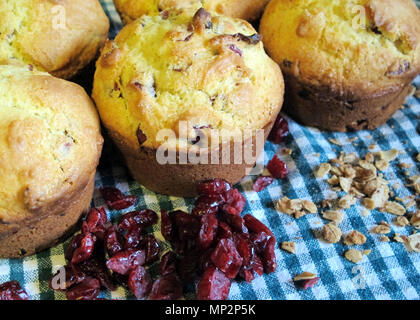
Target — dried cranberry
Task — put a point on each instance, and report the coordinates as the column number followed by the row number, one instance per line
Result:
column 260, row 241
column 140, row 282
column 88, row 289
column 255, row 225
column 71, row 278
column 245, row 249
column 187, row 268
column 208, row 230
column 143, row 218
column 125, row 261
column 151, row 248
column 257, row 265
column 85, row 250
column 213, row 187
column 207, row 204
column 213, row 285
column 168, row 263
column 223, row 231
column 188, row 225
column 269, row 256
column 205, row 260
column 95, row 222
column 248, row 275
column 262, row 182
column 95, row 267
column 166, row 226
column 309, row 283
column 167, row 287
column 226, row 258
column 115, row 199
column 112, row 241
column 73, row 245
column 236, row 222
column 277, row 168
column 280, row 130
column 235, row 202
column 132, row 237
column 12, row 291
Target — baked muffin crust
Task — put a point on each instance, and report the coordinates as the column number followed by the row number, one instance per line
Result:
column 60, row 37
column 245, row 9
column 50, row 144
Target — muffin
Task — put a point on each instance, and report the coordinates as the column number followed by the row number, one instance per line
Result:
column 170, row 83
column 50, row 144
column 244, row 9
column 348, row 64
column 59, row 37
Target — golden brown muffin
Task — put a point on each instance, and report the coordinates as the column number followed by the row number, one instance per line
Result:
column 50, row 144
column 244, row 9
column 60, row 37
column 181, row 66
column 348, row 64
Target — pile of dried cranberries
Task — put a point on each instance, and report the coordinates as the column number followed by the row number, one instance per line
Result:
column 214, row 245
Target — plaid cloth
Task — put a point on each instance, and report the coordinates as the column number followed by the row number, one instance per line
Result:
column 389, row 272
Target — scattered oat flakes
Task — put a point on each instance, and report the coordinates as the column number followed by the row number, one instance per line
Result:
column 398, row 238
column 382, row 165
column 336, row 216
column 395, row 208
column 384, row 239
column 401, row 221
column 372, row 146
column 353, row 255
column 288, row 246
column 369, row 157
column 381, row 229
column 415, row 220
column 323, row 170
column 366, row 252
column 335, row 141
column 346, row 201
column 345, row 184
column 365, row 212
column 304, row 276
column 413, row 242
column 309, row 206
column 418, row 157
column 355, row 238
column 287, row 151
column 405, row 165
column 331, row 233
column 389, row 155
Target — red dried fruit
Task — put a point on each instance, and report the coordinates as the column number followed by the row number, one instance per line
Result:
column 207, row 204
column 95, row 222
column 140, row 282
column 73, row 245
column 236, row 222
column 205, row 260
column 187, row 225
column 235, row 202
column 132, row 237
column 277, row 168
column 88, row 289
column 168, row 263
column 115, row 199
column 187, row 268
column 112, row 241
column 213, row 187
column 213, row 285
column 255, row 225
column 269, row 256
column 151, row 248
column 246, row 251
column 71, row 278
column 223, row 231
column 208, row 230
column 280, row 130
column 166, row 226
column 85, row 250
column 309, row 283
column 257, row 265
column 260, row 240
column 167, row 287
column 226, row 258
column 95, row 267
column 143, row 218
column 262, row 182
column 141, row 137
column 125, row 261
column 12, row 291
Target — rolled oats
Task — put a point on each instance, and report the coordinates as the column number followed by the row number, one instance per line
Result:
column 323, row 170
column 355, row 238
column 353, row 255
column 415, row 220
column 335, row 216
column 304, row 276
column 331, row 233
column 381, row 229
column 345, row 183
column 401, row 221
column 395, row 208
column 389, row 155
column 288, row 246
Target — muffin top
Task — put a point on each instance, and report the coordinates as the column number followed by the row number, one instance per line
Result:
column 185, row 66
column 50, row 143
column 59, row 37
column 244, row 9
column 346, row 47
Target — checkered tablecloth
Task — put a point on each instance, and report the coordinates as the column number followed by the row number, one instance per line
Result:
column 389, row 272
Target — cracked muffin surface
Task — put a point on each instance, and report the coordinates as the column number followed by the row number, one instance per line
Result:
column 60, row 37
column 244, row 9
column 185, row 65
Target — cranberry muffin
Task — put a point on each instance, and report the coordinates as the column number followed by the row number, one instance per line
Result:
column 245, row 9
column 59, row 37
column 206, row 71
column 348, row 64
column 50, row 144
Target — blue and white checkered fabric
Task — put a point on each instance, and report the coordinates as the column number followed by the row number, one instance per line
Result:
column 389, row 272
